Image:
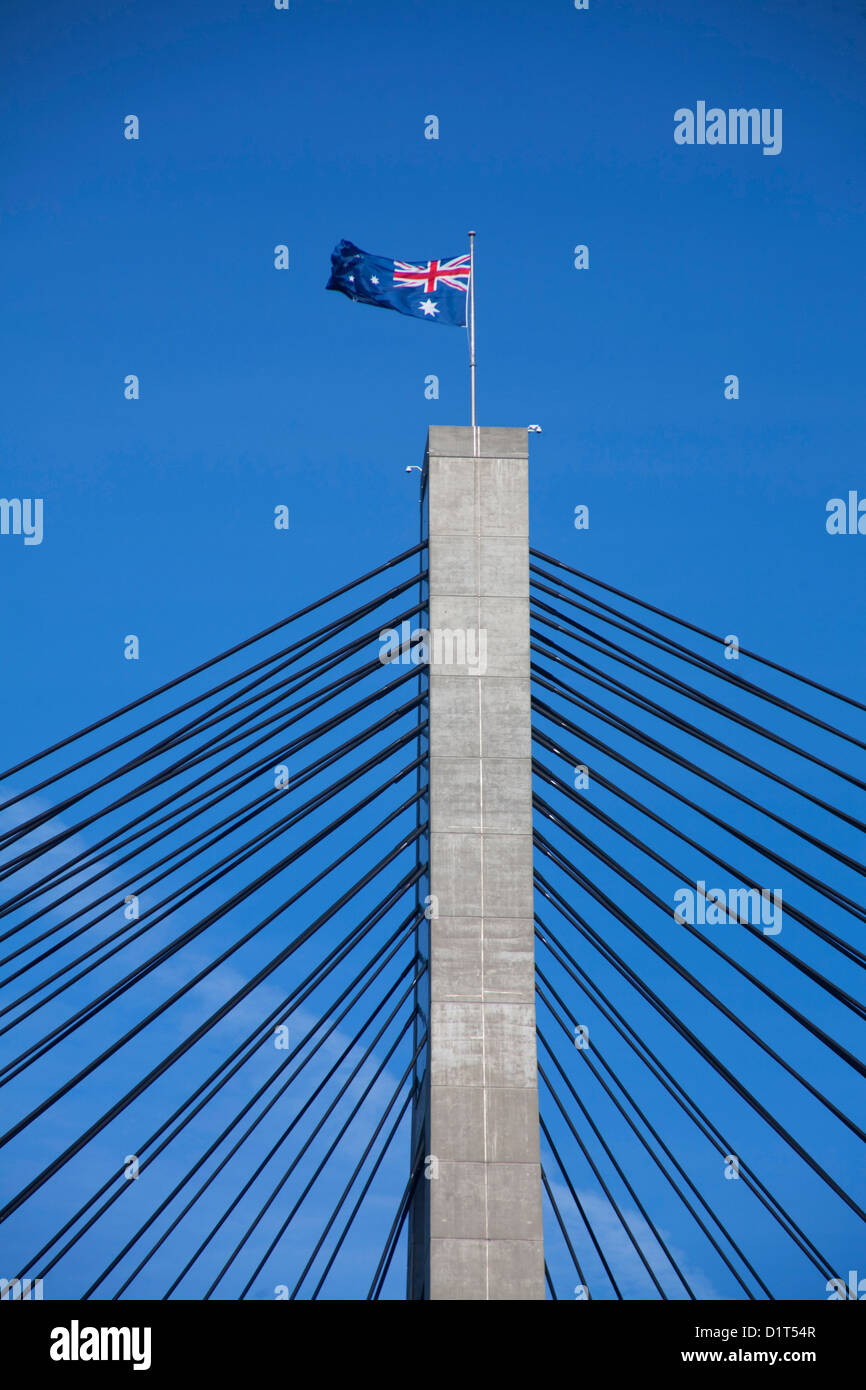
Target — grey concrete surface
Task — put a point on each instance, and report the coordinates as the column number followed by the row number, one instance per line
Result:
column 485, row 1223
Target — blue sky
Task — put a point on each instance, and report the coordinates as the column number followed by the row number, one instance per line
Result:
column 260, row 128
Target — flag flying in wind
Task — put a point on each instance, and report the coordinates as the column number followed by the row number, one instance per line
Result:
column 435, row 290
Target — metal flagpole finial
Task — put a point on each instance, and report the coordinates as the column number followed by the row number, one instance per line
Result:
column 472, row 342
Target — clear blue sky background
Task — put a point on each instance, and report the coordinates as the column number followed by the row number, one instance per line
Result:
column 261, row 127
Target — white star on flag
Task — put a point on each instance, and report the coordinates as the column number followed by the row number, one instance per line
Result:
column 428, row 307
column 374, row 279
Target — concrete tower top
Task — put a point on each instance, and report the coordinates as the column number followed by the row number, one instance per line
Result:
column 496, row 441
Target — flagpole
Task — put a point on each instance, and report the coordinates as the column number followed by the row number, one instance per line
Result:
column 472, row 342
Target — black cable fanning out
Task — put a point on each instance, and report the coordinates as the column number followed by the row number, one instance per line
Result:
column 638, row 1045
column 555, row 685
column 300, row 709
column 251, row 1128
column 182, row 1048
column 88, row 1011
column 612, row 1202
column 700, row 631
column 242, row 1053
column 840, row 995
column 647, row 671
column 550, row 852
column 669, row 647
column 199, row 805
column 579, row 1206
column 616, row 1166
column 200, row 843
column 317, row 1173
column 169, row 793
column 190, row 890
column 838, row 898
column 389, row 1139
column 213, row 661
column 648, row 1055
column 703, row 990
column 380, row 1273
column 212, row 750
column 565, row 1236
column 549, row 990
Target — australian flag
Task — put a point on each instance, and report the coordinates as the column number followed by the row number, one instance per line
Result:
column 435, row 290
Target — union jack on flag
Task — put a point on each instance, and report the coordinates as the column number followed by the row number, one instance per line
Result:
column 453, row 273
column 434, row 289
